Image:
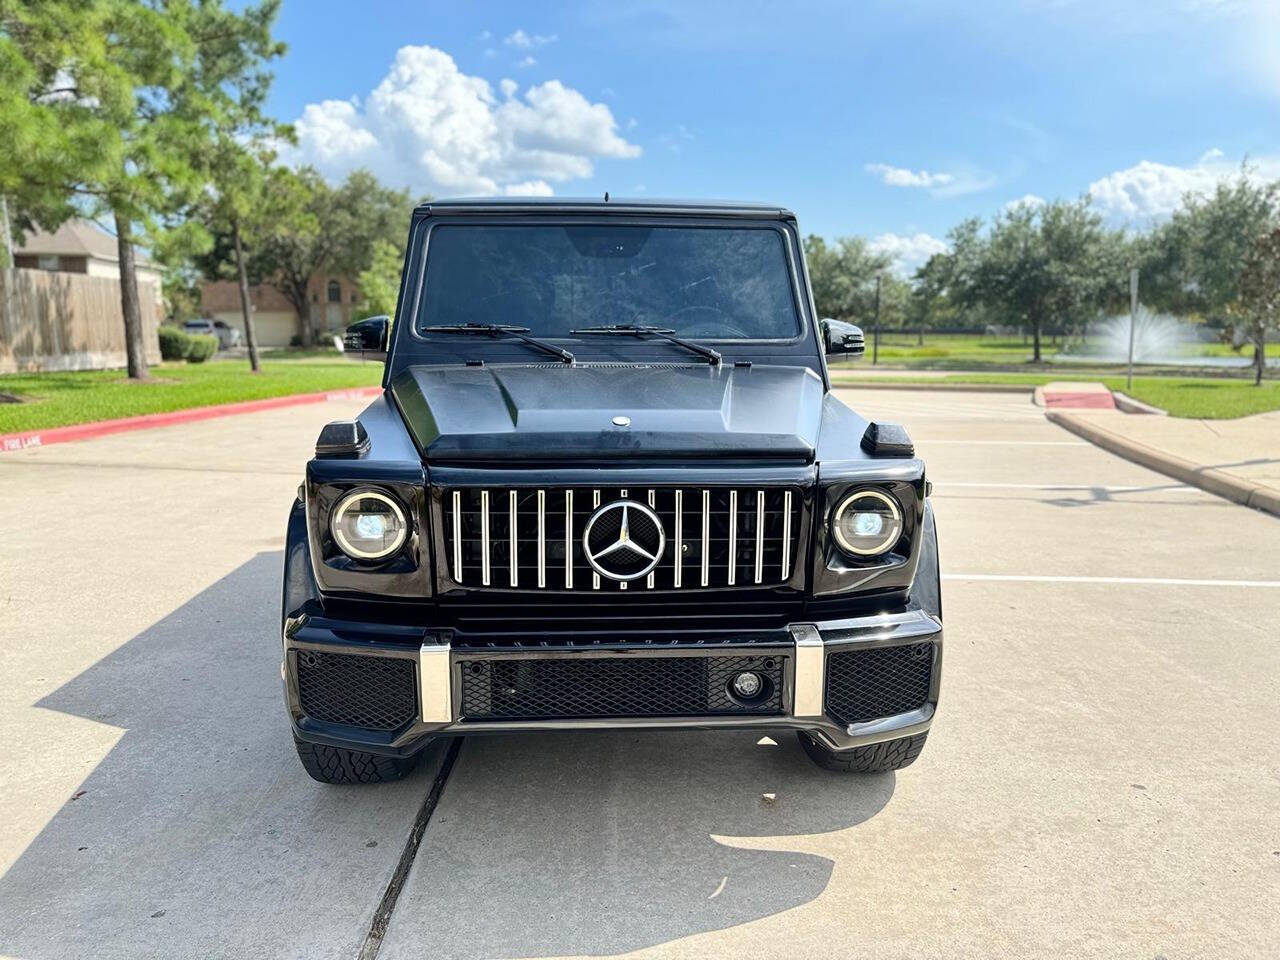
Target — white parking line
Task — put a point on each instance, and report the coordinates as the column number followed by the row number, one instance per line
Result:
column 1162, row 488
column 1006, row 443
column 1147, row 581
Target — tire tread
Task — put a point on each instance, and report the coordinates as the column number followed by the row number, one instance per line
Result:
column 337, row 765
column 873, row 758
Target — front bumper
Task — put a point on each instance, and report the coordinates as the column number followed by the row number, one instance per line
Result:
column 802, row 653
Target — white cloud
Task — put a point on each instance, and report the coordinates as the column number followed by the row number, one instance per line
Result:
column 902, row 177
column 437, row 130
column 526, row 62
column 1026, row 200
column 908, row 252
column 526, row 41
column 1150, row 190
column 952, row 184
column 529, row 188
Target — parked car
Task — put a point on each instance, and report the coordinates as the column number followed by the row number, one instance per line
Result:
column 228, row 336
column 608, row 485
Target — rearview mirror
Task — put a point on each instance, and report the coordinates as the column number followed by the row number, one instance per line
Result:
column 367, row 340
column 842, row 339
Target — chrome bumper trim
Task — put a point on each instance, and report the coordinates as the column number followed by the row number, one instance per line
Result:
column 810, row 670
column 435, row 683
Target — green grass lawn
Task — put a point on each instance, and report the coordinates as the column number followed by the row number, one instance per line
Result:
column 1198, row 397
column 943, row 351
column 59, row 399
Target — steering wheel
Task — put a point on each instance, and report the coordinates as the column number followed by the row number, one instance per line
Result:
column 714, row 326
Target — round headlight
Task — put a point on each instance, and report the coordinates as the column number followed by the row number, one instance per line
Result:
column 369, row 525
column 867, row 523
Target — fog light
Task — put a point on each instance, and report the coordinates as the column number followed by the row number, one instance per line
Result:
column 747, row 685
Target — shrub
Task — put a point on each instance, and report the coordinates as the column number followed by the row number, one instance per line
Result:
column 200, row 347
column 173, row 343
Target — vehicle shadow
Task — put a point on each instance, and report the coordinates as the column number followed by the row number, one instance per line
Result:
column 198, row 833
column 606, row 842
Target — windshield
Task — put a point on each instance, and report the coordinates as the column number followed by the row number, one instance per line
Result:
column 717, row 283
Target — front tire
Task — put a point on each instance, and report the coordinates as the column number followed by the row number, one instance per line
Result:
column 337, row 765
column 873, row 758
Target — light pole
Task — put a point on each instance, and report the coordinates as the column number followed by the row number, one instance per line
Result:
column 875, row 338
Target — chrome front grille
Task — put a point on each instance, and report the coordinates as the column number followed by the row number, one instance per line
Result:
column 523, row 538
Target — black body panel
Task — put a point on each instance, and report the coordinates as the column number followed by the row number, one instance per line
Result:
column 554, row 411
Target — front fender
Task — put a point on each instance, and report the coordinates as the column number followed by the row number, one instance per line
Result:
column 300, row 594
column 926, row 588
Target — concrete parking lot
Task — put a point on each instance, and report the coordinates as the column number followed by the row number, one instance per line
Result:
column 1103, row 779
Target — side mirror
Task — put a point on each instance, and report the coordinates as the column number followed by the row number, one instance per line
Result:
column 368, row 339
column 842, row 339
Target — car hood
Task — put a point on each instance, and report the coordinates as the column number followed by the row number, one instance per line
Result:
column 607, row 411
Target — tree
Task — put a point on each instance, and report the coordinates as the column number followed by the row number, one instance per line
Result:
column 1036, row 263
column 380, row 282
column 843, row 277
column 928, row 294
column 1259, row 303
column 310, row 226
column 129, row 94
column 239, row 155
column 1193, row 263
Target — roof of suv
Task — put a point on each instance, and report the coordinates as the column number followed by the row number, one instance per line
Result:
column 600, row 206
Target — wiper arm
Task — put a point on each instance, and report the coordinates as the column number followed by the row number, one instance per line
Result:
column 498, row 329
column 640, row 330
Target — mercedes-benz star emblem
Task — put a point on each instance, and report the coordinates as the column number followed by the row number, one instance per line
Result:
column 623, row 540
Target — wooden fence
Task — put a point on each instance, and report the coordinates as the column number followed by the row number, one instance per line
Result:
column 68, row 321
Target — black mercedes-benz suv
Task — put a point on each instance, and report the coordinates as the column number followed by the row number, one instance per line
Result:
column 607, row 485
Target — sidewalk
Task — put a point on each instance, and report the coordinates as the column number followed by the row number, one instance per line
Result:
column 1236, row 459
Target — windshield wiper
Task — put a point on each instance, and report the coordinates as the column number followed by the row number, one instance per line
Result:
column 497, row 329
column 640, row 330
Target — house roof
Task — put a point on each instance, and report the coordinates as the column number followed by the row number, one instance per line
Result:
column 76, row 238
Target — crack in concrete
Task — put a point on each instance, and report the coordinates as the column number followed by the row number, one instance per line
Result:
column 386, row 908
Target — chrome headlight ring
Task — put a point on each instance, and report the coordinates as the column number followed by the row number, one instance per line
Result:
column 871, row 530
column 359, row 544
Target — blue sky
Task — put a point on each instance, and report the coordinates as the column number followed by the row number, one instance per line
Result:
column 888, row 119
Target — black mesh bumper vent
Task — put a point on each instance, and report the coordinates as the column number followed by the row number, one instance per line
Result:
column 378, row 693
column 537, row 689
column 878, row 682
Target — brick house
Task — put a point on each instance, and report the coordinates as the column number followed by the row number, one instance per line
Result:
column 276, row 322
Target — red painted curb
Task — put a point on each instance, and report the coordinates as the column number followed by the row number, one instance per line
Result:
column 1080, row 401
column 100, row 428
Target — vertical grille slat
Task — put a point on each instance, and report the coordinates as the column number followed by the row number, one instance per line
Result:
column 484, row 537
column 542, row 539
column 457, row 535
column 568, row 539
column 513, row 564
column 733, row 537
column 679, row 554
column 786, row 535
column 529, row 538
column 706, row 536
column 759, row 536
